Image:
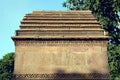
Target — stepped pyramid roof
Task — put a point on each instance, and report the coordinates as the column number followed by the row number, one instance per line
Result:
column 60, row 25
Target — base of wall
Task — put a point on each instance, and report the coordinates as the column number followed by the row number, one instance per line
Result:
column 73, row 76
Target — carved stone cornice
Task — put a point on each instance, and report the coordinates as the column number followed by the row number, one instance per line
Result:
column 60, row 43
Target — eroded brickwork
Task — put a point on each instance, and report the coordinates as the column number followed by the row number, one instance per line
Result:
column 60, row 45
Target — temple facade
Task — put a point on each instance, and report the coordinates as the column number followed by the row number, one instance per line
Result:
column 60, row 45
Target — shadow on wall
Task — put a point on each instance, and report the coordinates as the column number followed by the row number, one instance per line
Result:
column 94, row 75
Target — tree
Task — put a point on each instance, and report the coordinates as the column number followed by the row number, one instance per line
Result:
column 7, row 66
column 106, row 13
column 114, row 61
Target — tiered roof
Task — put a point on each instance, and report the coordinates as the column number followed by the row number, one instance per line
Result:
column 60, row 25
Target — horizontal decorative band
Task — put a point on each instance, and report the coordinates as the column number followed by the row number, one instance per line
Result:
column 72, row 76
column 60, row 43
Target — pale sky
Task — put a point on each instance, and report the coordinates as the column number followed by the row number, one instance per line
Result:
column 12, row 12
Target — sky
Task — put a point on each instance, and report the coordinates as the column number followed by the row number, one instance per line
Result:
column 12, row 12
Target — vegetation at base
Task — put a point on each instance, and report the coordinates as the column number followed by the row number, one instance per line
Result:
column 106, row 13
column 7, row 66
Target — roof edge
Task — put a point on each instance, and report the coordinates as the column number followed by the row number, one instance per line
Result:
column 37, row 11
column 61, row 38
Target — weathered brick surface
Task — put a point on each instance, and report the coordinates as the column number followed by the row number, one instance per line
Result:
column 60, row 45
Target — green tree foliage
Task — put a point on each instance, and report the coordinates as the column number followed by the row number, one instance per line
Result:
column 7, row 66
column 114, row 61
column 106, row 13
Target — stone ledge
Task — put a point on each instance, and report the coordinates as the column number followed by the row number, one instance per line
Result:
column 92, row 29
column 62, row 25
column 63, row 11
column 39, row 18
column 67, row 22
column 60, row 37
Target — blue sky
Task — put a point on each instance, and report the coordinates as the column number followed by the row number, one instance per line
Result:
column 12, row 12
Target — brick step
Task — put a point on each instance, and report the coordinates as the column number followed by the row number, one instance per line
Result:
column 60, row 16
column 69, row 29
column 62, row 30
column 81, row 32
column 62, row 12
column 59, row 37
column 59, row 26
column 57, row 14
column 59, row 22
column 42, row 18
